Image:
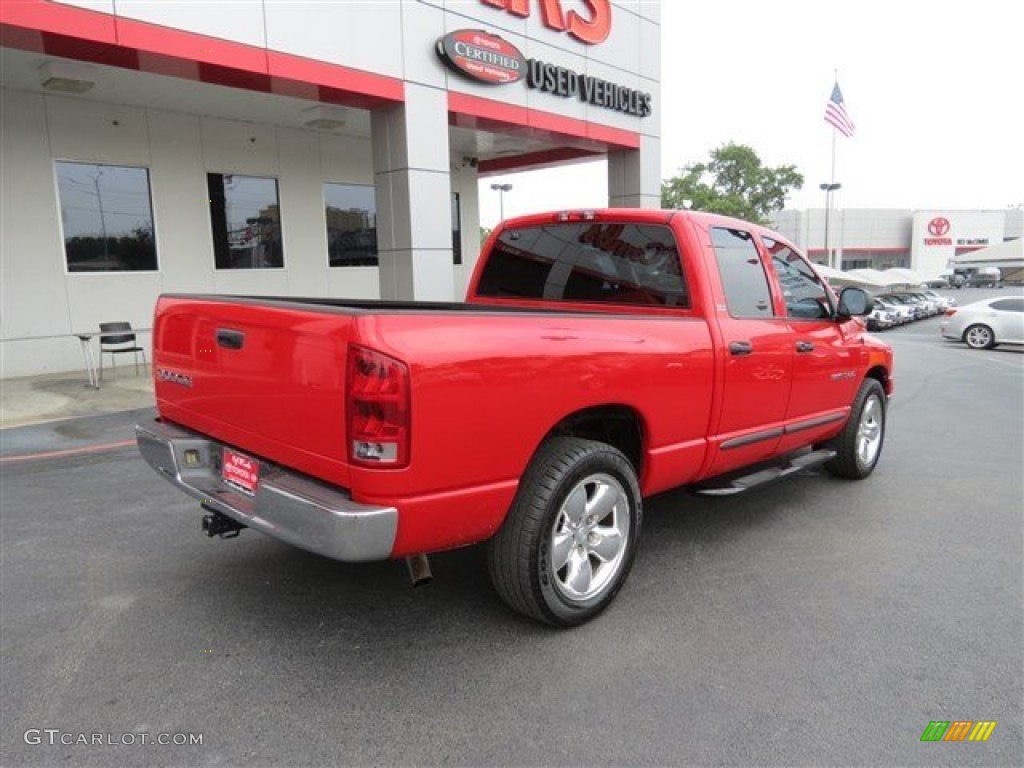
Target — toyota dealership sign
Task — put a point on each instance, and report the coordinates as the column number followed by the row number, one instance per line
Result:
column 940, row 236
column 939, row 228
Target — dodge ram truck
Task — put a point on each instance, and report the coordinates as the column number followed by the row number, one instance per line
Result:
column 600, row 357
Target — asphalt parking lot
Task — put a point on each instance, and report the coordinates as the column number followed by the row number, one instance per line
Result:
column 812, row 622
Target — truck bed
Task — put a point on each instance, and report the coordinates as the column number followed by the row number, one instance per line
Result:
column 473, row 369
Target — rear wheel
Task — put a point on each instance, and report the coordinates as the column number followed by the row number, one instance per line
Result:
column 979, row 337
column 569, row 539
column 859, row 446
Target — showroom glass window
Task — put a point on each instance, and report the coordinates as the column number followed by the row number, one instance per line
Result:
column 107, row 218
column 245, row 215
column 351, row 213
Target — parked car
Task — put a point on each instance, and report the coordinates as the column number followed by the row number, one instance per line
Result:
column 944, row 302
column 600, row 357
column 984, row 277
column 923, row 308
column 905, row 313
column 880, row 319
column 933, row 304
column 984, row 324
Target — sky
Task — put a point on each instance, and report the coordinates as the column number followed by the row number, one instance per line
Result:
column 935, row 89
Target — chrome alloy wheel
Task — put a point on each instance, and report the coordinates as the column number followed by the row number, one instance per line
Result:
column 869, row 431
column 589, row 537
column 978, row 337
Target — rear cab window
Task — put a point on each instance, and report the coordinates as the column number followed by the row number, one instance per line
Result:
column 599, row 262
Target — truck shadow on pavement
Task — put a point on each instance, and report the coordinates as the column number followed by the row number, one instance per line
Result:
column 312, row 599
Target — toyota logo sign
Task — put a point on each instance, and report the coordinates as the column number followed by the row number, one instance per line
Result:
column 938, row 226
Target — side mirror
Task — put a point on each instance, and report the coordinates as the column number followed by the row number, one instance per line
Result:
column 855, row 301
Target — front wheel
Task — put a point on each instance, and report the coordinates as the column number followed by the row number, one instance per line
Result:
column 859, row 446
column 568, row 542
column 979, row 337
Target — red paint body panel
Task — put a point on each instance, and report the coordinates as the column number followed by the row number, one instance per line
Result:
column 490, row 379
column 280, row 396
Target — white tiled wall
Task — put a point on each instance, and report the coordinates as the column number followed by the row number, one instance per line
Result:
column 237, row 20
column 42, row 304
column 396, row 38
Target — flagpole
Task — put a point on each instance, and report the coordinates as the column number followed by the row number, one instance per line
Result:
column 832, row 185
column 835, row 74
column 828, row 205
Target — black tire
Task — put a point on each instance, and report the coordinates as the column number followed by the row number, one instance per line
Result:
column 859, row 446
column 979, row 336
column 521, row 557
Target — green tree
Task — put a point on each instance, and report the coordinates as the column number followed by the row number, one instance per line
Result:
column 733, row 182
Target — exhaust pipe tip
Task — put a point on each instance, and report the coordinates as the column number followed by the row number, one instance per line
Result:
column 419, row 570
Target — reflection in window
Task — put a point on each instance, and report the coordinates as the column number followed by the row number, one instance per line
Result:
column 351, row 213
column 587, row 262
column 805, row 295
column 743, row 276
column 246, row 218
column 107, row 218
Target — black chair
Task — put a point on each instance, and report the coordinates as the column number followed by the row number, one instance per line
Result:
column 118, row 343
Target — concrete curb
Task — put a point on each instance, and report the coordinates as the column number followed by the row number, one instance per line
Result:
column 71, row 437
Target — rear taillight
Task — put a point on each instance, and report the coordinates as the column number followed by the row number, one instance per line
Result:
column 377, row 401
column 949, row 312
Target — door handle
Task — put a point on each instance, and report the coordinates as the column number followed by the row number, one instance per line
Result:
column 804, row 346
column 230, row 339
column 740, row 348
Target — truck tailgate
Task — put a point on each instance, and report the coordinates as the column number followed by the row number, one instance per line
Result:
column 268, row 379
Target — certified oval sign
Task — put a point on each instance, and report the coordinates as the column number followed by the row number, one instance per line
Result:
column 482, row 56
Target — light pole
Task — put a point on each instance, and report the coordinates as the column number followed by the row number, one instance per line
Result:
column 828, row 189
column 502, row 189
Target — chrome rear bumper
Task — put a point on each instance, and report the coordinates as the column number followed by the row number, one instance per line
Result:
column 287, row 505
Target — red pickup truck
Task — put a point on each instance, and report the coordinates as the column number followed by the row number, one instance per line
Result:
column 600, row 357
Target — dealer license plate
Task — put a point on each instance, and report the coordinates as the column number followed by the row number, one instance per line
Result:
column 240, row 471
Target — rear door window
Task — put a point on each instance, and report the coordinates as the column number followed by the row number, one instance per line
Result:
column 594, row 262
column 1009, row 305
column 743, row 277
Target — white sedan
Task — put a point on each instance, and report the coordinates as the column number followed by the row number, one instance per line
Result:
column 984, row 324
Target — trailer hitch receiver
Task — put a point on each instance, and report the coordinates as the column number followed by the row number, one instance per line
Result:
column 217, row 524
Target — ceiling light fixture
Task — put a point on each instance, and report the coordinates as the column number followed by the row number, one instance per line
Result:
column 325, row 118
column 66, row 77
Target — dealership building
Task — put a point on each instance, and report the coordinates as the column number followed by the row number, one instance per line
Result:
column 322, row 149
column 925, row 241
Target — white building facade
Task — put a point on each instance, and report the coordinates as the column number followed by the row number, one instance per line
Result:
column 926, row 241
column 266, row 147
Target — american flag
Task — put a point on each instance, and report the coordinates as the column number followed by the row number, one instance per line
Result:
column 835, row 113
